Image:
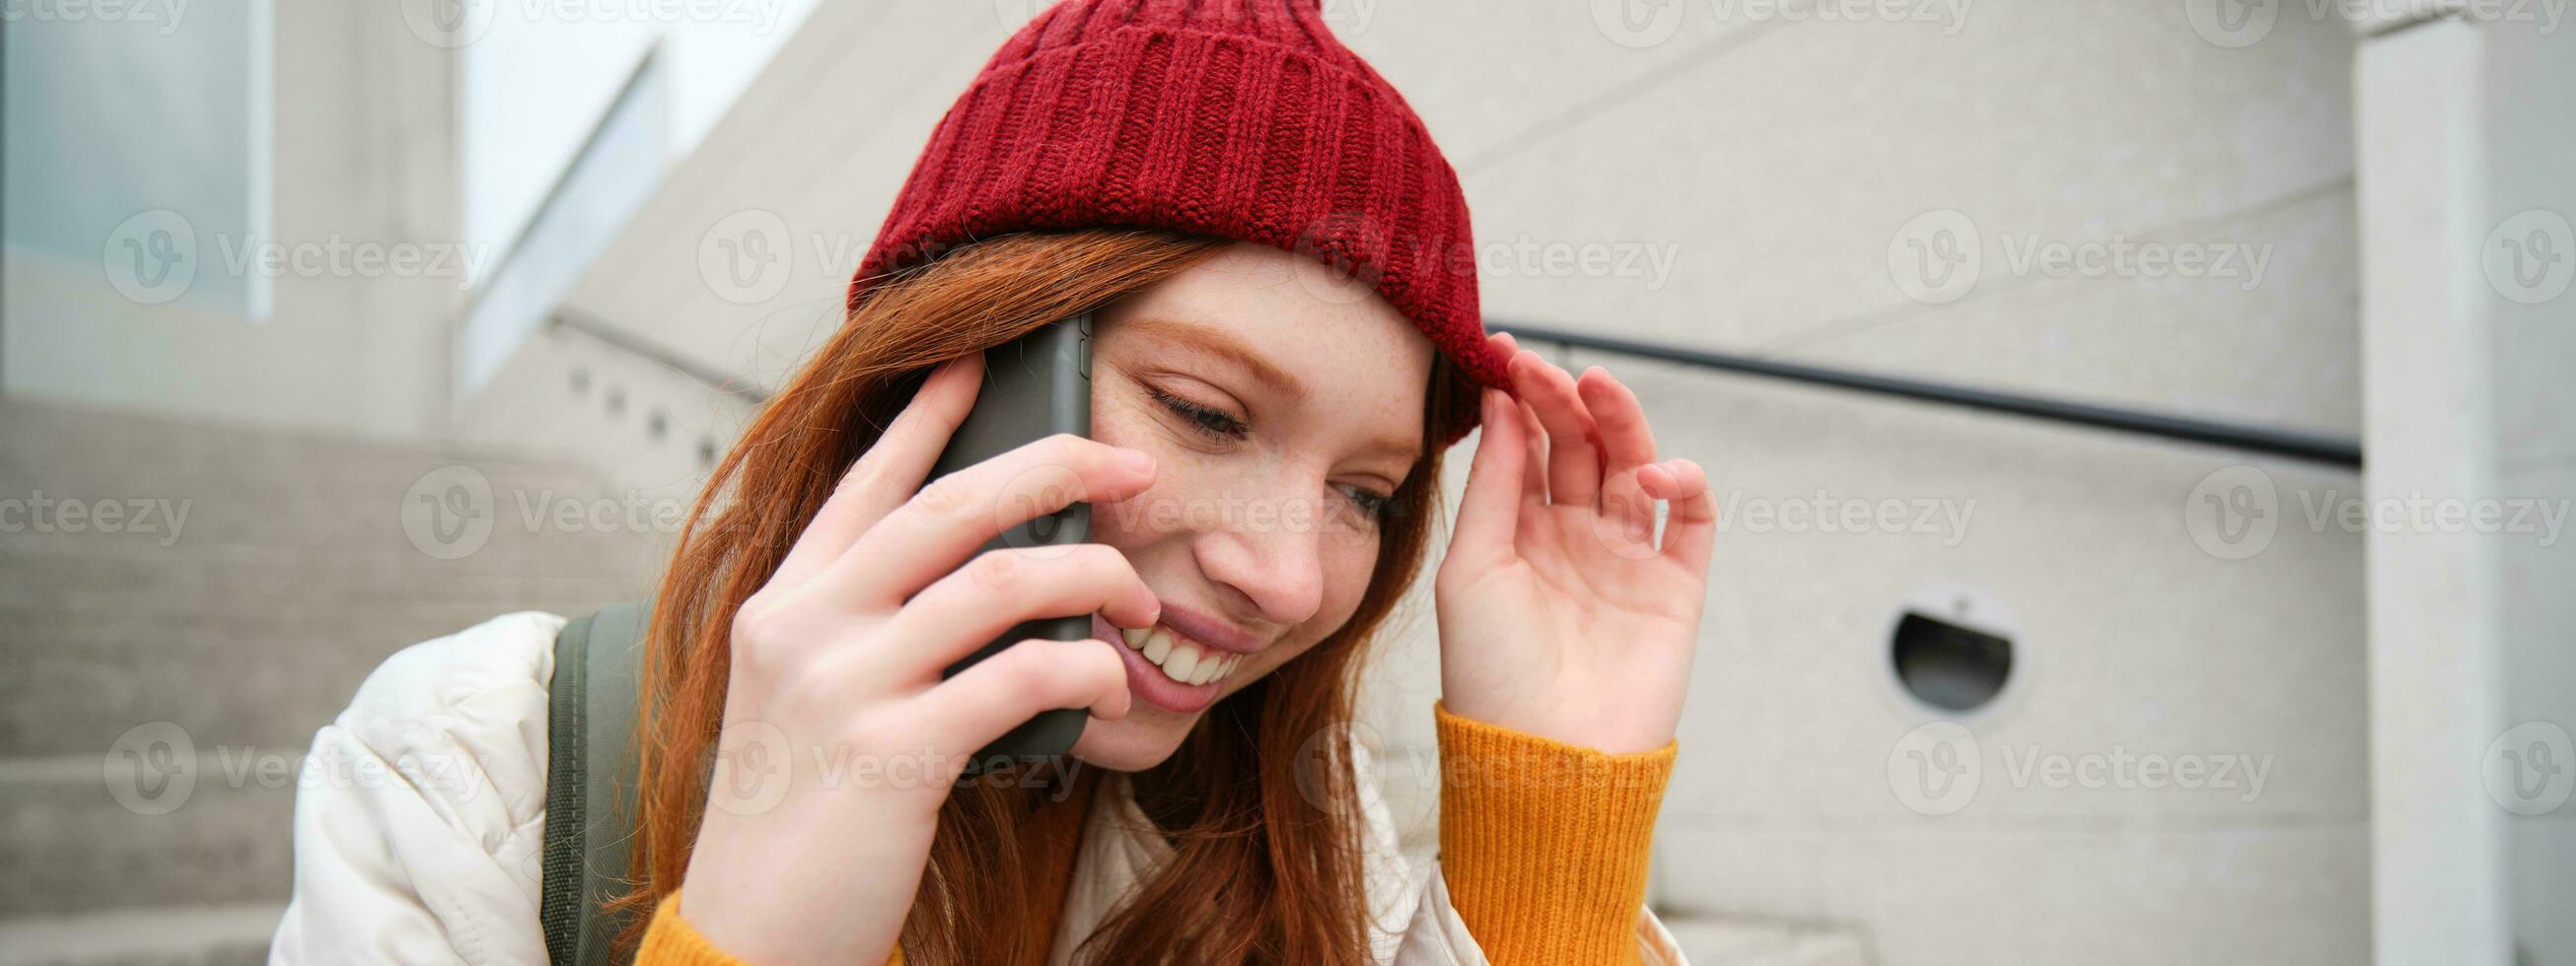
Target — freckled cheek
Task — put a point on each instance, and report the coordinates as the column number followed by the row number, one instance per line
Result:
column 1129, row 524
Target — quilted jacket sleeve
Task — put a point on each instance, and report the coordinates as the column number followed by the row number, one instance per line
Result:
column 419, row 824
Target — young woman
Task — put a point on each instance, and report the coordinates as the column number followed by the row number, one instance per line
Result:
column 1287, row 343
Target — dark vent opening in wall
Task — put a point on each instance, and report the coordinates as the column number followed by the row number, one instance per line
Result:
column 1948, row 666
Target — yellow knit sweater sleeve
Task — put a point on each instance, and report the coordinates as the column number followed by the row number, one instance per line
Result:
column 1544, row 844
column 670, row 941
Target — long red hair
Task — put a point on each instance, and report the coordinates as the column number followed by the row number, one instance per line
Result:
column 1267, row 865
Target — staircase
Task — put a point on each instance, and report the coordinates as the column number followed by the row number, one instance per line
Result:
column 205, row 597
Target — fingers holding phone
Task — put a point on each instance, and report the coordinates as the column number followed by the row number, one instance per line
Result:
column 886, row 633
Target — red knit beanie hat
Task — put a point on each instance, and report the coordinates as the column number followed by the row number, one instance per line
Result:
column 1244, row 119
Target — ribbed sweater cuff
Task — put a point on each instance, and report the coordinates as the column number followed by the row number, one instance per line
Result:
column 670, row 941
column 1545, row 844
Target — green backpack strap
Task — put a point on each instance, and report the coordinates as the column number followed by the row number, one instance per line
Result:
column 591, row 769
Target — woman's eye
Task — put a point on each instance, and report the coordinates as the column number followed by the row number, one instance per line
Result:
column 1206, row 419
column 1372, row 505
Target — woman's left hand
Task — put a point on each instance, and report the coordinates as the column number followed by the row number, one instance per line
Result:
column 1560, row 616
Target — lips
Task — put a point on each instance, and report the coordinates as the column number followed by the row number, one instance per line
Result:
column 1152, row 680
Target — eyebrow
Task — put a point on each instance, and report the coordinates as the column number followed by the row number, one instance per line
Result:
column 1227, row 347
column 1223, row 345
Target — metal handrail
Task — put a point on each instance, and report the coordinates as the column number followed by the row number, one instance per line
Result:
column 2331, row 450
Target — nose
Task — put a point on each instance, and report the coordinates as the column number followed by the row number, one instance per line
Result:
column 1273, row 560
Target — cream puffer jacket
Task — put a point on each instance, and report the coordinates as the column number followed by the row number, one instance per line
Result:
column 441, row 862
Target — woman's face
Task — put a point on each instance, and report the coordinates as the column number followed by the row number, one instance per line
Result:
column 1283, row 406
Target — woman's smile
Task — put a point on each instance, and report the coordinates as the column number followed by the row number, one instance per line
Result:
column 1169, row 668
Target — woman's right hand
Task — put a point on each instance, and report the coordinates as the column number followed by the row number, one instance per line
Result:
column 840, row 739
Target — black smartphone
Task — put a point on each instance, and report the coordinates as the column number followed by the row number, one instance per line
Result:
column 1035, row 386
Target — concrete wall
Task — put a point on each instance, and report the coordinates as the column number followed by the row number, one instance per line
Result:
column 363, row 158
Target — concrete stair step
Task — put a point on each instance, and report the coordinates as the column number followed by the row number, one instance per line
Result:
column 209, row 935
column 76, row 844
column 293, row 578
column 1760, row 942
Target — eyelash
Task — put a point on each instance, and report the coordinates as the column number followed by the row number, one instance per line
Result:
column 1374, row 505
column 1214, row 422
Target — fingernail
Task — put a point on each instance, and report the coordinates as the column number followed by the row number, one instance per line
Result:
column 1138, row 460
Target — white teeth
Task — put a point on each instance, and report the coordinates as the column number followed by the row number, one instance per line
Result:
column 1183, row 662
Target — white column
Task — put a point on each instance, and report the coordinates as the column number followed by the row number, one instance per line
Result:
column 2462, row 164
